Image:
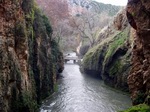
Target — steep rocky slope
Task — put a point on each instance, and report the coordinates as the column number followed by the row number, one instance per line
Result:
column 138, row 13
column 79, row 6
column 29, row 58
column 110, row 57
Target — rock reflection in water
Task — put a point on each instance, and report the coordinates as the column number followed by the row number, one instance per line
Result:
column 81, row 93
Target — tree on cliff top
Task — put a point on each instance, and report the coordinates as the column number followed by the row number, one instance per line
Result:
column 56, row 10
column 89, row 24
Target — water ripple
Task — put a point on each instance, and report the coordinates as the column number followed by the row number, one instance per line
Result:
column 80, row 93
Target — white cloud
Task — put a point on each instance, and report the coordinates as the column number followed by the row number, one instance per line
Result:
column 114, row 2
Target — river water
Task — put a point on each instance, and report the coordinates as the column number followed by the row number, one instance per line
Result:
column 79, row 92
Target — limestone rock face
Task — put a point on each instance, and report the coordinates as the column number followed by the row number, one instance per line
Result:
column 110, row 57
column 14, row 76
column 138, row 13
column 29, row 61
column 120, row 21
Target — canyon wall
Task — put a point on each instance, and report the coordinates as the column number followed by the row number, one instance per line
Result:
column 110, row 56
column 138, row 13
column 29, row 58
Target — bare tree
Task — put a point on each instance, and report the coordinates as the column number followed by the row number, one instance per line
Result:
column 89, row 24
column 62, row 30
column 56, row 10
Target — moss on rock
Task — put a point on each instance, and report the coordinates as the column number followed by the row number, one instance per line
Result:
column 110, row 60
column 30, row 59
column 93, row 59
column 118, row 41
column 138, row 108
column 24, row 103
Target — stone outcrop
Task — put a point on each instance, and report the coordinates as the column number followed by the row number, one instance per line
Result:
column 138, row 13
column 110, row 57
column 29, row 58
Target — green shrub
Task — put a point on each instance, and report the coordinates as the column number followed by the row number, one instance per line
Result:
column 138, row 108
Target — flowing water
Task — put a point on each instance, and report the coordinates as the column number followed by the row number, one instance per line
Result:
column 79, row 92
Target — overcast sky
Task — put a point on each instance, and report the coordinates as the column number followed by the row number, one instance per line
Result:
column 114, row 2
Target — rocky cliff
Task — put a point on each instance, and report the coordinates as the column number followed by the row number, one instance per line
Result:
column 29, row 58
column 110, row 57
column 79, row 6
column 138, row 13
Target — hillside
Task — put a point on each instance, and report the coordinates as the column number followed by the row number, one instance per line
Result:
column 68, row 19
column 78, row 6
column 100, row 8
column 114, row 44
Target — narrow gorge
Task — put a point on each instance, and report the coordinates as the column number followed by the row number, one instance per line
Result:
column 110, row 44
column 110, row 57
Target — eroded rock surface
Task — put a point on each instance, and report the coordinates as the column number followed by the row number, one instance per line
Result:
column 110, row 57
column 138, row 13
column 29, row 59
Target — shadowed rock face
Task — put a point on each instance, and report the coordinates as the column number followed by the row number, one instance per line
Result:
column 139, row 78
column 29, row 59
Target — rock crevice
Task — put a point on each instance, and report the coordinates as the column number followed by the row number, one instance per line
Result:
column 29, row 58
column 110, row 57
column 138, row 13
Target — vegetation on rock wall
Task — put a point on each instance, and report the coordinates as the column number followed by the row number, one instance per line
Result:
column 118, row 41
column 46, row 56
column 100, row 8
column 117, row 61
column 30, row 59
column 138, row 108
column 110, row 58
column 93, row 58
